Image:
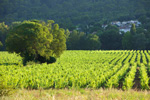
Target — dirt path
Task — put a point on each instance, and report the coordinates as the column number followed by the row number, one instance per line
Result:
column 137, row 85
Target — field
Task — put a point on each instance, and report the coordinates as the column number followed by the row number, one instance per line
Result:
column 123, row 70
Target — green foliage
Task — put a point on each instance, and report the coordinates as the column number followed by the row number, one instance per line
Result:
column 32, row 63
column 4, row 90
column 74, row 12
column 144, row 77
column 114, row 80
column 138, row 58
column 111, row 39
column 133, row 59
column 1, row 45
column 3, row 32
column 144, row 58
column 139, row 42
column 78, row 69
column 93, row 42
column 10, row 59
column 127, row 41
column 67, row 33
column 133, row 29
column 32, row 39
column 43, row 59
column 128, row 83
column 136, row 39
column 58, row 44
column 74, row 69
column 76, row 40
column 81, row 41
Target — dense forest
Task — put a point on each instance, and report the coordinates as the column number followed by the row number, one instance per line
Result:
column 83, row 20
column 72, row 13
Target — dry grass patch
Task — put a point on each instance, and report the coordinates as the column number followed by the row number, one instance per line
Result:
column 78, row 94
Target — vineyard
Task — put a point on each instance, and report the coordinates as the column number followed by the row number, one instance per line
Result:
column 80, row 69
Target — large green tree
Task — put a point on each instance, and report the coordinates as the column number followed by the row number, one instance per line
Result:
column 34, row 40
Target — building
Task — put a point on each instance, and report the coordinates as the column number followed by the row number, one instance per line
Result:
column 117, row 23
column 124, row 26
column 124, row 29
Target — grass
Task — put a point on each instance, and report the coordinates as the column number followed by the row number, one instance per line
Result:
column 78, row 94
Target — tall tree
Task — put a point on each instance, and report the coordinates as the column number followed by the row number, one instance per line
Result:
column 127, row 41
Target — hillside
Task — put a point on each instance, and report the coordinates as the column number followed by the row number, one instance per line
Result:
column 69, row 13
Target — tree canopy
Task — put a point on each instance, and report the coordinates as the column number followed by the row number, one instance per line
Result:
column 111, row 39
column 1, row 45
column 34, row 39
column 3, row 32
column 69, row 13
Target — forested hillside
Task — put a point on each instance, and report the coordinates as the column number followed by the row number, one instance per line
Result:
column 69, row 13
